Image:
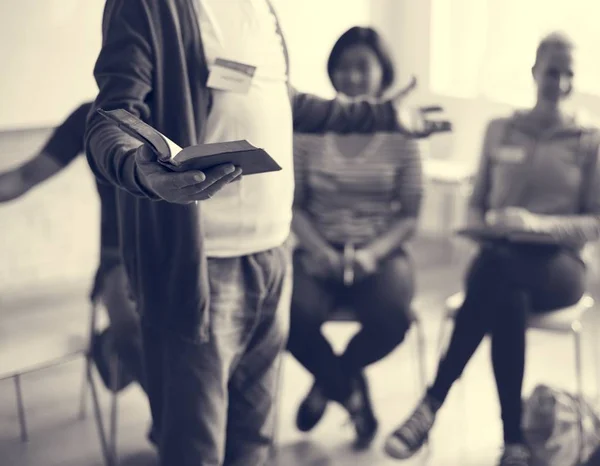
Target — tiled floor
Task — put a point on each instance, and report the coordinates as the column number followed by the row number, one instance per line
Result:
column 467, row 432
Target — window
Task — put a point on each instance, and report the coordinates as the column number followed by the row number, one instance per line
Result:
column 487, row 47
column 311, row 27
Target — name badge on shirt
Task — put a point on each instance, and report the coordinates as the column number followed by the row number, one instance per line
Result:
column 509, row 154
column 228, row 75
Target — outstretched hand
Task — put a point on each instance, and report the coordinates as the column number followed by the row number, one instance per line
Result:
column 416, row 121
column 182, row 187
column 513, row 219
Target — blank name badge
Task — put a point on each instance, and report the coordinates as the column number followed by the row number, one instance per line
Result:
column 510, row 154
column 228, row 75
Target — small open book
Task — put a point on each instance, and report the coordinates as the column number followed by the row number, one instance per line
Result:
column 200, row 157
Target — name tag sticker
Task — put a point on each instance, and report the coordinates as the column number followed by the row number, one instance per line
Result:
column 509, row 154
column 227, row 75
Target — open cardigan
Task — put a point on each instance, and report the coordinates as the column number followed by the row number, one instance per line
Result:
column 152, row 64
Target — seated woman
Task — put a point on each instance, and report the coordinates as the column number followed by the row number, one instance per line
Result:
column 357, row 201
column 538, row 173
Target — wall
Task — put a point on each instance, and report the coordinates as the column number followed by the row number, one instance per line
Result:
column 47, row 49
column 49, row 237
column 407, row 24
column 311, row 28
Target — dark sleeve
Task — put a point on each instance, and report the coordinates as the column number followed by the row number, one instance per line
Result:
column 316, row 115
column 123, row 73
column 410, row 181
column 585, row 227
column 66, row 141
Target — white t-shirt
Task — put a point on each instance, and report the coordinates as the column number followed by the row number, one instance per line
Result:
column 254, row 214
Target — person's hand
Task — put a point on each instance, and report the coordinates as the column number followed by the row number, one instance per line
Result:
column 182, row 187
column 417, row 123
column 365, row 264
column 12, row 185
column 513, row 219
column 325, row 264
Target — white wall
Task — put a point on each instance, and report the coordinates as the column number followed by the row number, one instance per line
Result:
column 311, row 28
column 47, row 50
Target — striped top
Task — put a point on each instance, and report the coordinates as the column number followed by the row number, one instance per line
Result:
column 354, row 187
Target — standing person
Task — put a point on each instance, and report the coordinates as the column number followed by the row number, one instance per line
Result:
column 212, row 281
column 538, row 172
column 362, row 192
column 123, row 336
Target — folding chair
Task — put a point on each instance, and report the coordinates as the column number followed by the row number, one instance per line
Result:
column 18, row 370
column 108, row 435
column 565, row 321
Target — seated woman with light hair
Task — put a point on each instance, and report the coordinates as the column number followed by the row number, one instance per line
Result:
column 539, row 173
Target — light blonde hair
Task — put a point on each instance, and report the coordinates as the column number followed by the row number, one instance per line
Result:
column 554, row 40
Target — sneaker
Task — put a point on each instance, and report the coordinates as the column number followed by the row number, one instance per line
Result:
column 360, row 407
column 515, row 454
column 311, row 409
column 408, row 439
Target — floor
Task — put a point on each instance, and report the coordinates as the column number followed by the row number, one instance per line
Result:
column 467, row 432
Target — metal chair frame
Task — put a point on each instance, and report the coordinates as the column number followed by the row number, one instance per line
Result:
column 554, row 322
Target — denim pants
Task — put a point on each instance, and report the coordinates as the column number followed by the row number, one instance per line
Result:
column 213, row 403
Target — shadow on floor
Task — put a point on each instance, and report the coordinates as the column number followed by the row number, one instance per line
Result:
column 146, row 458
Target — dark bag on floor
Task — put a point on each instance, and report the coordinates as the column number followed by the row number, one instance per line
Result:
column 550, row 424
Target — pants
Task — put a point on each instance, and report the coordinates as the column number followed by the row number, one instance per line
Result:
column 504, row 284
column 382, row 304
column 124, row 333
column 213, row 403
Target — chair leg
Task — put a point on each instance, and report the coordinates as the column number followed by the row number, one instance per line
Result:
column 21, row 408
column 115, row 369
column 421, row 355
column 595, row 358
column 98, row 418
column 277, row 406
column 86, row 369
column 579, row 392
column 84, row 390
